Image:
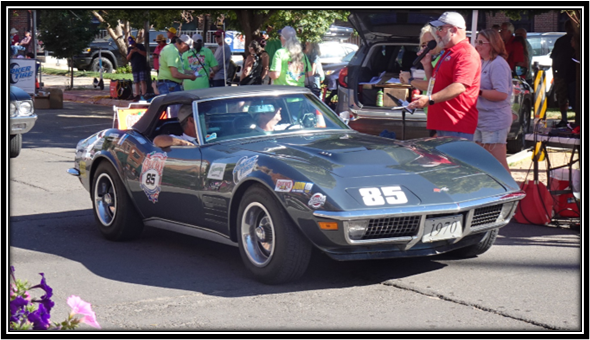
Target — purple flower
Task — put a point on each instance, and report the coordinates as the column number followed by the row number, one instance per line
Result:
column 17, row 308
column 45, row 299
column 40, row 318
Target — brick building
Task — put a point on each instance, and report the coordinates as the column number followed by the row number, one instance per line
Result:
column 22, row 20
column 546, row 22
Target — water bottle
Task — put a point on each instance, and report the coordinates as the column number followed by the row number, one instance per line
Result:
column 380, row 98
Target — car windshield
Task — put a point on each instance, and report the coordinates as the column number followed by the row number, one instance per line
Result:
column 243, row 117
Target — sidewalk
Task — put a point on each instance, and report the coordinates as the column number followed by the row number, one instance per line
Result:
column 83, row 91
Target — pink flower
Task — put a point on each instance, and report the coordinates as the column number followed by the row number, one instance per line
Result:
column 80, row 306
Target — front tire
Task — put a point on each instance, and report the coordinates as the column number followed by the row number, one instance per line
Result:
column 16, row 143
column 270, row 244
column 114, row 212
column 479, row 248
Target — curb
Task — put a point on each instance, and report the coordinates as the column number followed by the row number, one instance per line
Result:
column 96, row 100
column 517, row 157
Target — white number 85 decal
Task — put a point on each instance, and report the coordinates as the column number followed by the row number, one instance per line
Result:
column 393, row 195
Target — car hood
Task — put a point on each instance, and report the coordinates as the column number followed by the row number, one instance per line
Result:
column 16, row 93
column 354, row 155
column 382, row 25
column 369, row 159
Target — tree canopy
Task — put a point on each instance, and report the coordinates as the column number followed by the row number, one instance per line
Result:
column 66, row 33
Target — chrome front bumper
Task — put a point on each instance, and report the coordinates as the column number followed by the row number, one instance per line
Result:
column 473, row 223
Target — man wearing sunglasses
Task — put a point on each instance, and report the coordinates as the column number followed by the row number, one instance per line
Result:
column 453, row 83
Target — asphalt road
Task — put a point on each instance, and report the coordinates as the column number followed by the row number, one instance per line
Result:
column 529, row 281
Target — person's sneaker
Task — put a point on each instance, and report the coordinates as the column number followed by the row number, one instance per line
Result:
column 561, row 124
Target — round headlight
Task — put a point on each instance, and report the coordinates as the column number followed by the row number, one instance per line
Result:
column 12, row 109
column 26, row 108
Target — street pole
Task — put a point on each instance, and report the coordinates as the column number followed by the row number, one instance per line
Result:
column 148, row 81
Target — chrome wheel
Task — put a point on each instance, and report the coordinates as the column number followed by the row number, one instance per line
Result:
column 258, row 234
column 105, row 202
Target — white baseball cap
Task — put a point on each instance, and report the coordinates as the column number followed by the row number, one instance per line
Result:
column 450, row 18
column 197, row 36
column 186, row 39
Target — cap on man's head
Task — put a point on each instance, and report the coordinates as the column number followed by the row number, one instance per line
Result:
column 450, row 18
column 288, row 32
column 184, row 112
column 160, row 37
column 13, row 31
column 172, row 30
column 131, row 40
column 197, row 36
column 186, row 39
column 219, row 32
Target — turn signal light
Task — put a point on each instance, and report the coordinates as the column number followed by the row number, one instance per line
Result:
column 328, row 225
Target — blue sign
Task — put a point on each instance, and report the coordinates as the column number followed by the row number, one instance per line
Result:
column 235, row 40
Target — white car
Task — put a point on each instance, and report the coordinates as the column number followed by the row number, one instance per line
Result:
column 542, row 44
column 333, row 52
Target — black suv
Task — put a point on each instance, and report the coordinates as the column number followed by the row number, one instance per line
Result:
column 88, row 60
column 390, row 43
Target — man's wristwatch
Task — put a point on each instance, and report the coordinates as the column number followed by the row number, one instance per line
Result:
column 430, row 101
column 410, row 80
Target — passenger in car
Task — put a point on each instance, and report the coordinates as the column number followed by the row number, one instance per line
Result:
column 268, row 120
column 189, row 136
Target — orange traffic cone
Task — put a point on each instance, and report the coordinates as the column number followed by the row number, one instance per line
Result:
column 320, row 122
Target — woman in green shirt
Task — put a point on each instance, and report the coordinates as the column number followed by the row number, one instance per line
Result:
column 289, row 64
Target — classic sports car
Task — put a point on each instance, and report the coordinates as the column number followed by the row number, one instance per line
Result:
column 310, row 182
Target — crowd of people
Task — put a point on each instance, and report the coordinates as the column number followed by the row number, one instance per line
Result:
column 467, row 89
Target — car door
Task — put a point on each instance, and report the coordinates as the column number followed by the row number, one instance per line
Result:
column 169, row 181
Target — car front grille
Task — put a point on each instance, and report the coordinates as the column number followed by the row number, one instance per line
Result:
column 392, row 227
column 486, row 215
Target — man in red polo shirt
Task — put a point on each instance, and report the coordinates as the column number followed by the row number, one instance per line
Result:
column 514, row 49
column 453, row 83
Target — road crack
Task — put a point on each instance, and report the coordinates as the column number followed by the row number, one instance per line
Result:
column 472, row 305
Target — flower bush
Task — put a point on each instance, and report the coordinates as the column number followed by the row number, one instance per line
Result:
column 29, row 313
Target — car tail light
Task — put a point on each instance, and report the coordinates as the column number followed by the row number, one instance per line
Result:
column 343, row 77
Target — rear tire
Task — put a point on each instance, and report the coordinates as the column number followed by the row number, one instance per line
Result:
column 271, row 245
column 114, row 212
column 107, row 65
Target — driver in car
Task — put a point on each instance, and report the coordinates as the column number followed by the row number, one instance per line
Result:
column 189, row 136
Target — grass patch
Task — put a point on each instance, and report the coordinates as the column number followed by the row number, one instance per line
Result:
column 554, row 113
column 87, row 74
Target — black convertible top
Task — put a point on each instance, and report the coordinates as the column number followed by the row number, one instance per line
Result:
column 148, row 121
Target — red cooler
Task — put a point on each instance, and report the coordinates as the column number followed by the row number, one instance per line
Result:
column 564, row 205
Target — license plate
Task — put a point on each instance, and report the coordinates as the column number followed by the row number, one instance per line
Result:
column 442, row 228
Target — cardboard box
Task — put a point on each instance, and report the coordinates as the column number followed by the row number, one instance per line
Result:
column 42, row 102
column 56, row 99
column 400, row 92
